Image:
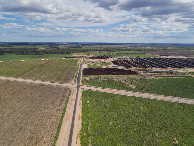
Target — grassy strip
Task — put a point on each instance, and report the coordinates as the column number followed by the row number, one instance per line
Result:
column 61, row 121
column 122, row 120
column 181, row 87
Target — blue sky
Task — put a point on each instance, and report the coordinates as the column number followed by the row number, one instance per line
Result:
column 117, row 21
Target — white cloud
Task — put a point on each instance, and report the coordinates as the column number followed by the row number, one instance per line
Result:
column 139, row 25
column 38, row 29
column 88, row 30
column 79, row 17
column 4, row 18
column 62, row 12
column 62, row 29
column 11, row 26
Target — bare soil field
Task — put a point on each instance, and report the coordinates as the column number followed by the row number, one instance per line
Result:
column 30, row 113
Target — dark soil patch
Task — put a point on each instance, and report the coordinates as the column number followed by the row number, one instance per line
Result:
column 107, row 71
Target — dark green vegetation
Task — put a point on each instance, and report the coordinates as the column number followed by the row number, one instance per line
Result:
column 58, row 70
column 14, row 57
column 181, row 87
column 115, row 50
column 33, row 49
column 109, row 119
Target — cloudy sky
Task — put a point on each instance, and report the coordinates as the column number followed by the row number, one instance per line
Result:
column 127, row 21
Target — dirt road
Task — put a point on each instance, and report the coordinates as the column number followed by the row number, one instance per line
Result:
column 69, row 85
column 72, row 135
column 71, row 126
column 63, row 139
column 113, row 91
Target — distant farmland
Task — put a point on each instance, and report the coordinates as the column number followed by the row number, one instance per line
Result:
column 30, row 113
column 47, row 70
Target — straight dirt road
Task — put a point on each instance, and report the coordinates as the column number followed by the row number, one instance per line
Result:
column 75, row 105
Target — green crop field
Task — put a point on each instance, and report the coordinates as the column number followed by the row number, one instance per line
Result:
column 57, row 70
column 109, row 119
column 181, row 87
column 13, row 57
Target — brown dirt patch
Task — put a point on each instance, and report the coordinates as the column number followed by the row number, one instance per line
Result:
column 108, row 71
column 30, row 113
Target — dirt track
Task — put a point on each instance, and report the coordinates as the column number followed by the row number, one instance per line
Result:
column 113, row 91
column 142, row 95
column 67, row 120
column 69, row 85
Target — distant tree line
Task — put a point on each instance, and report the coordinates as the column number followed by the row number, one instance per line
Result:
column 55, row 49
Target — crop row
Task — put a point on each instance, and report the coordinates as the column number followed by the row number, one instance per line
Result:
column 30, row 113
column 109, row 119
column 181, row 87
column 50, row 70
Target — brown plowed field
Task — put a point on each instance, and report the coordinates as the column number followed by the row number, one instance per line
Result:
column 99, row 57
column 107, row 71
column 30, row 113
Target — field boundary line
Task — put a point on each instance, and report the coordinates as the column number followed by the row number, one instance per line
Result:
column 108, row 90
column 141, row 95
column 69, row 85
